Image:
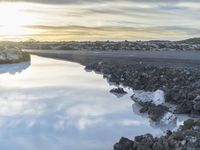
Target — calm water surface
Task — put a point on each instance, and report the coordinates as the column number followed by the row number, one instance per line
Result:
column 57, row 105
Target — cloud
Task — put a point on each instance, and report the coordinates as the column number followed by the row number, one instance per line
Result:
column 113, row 19
column 113, row 28
column 96, row 1
column 113, row 32
column 46, row 27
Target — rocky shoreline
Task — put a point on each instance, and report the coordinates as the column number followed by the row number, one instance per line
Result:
column 116, row 46
column 13, row 55
column 181, row 87
column 187, row 137
column 192, row 44
column 179, row 79
column 177, row 86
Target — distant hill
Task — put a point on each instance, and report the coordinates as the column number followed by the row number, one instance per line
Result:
column 191, row 41
column 192, row 44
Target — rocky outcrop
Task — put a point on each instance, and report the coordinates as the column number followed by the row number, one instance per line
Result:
column 185, row 138
column 13, row 55
column 181, row 86
column 152, row 104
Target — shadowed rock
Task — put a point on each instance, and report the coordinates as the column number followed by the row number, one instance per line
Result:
column 118, row 90
column 186, row 137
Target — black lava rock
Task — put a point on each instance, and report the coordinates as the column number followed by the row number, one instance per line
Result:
column 124, row 144
column 118, row 91
column 184, row 108
column 181, row 86
column 185, row 138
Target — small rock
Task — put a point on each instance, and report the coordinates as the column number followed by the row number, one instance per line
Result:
column 118, row 90
column 156, row 112
column 179, row 136
column 188, row 124
column 144, row 109
column 196, row 106
column 171, row 143
column 197, row 99
column 168, row 118
column 195, row 114
column 124, row 144
column 158, row 146
column 146, row 140
column 168, row 133
column 184, row 108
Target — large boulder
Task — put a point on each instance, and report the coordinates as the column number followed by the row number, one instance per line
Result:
column 156, row 98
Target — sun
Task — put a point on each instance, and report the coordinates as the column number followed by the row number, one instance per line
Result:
column 13, row 18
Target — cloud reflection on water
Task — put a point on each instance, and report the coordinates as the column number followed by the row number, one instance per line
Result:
column 55, row 104
column 14, row 68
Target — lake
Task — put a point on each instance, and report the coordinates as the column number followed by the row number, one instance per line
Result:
column 56, row 105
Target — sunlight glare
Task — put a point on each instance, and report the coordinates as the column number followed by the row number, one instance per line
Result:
column 13, row 18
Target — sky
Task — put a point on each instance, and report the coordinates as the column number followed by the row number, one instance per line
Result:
column 84, row 20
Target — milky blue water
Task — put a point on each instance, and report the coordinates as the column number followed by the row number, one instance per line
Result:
column 56, row 105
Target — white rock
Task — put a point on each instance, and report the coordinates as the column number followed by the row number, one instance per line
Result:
column 157, row 97
column 168, row 118
column 10, row 54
